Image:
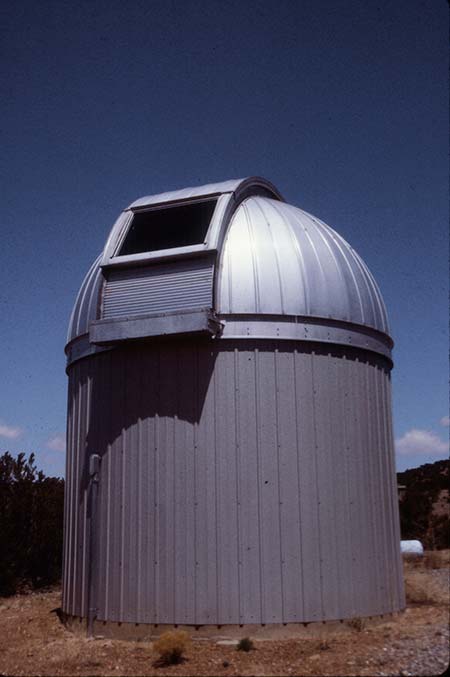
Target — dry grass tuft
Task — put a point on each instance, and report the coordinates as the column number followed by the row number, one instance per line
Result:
column 357, row 624
column 412, row 559
column 436, row 559
column 171, row 647
column 421, row 587
column 431, row 559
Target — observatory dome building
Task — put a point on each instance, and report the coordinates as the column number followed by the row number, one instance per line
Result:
column 229, row 438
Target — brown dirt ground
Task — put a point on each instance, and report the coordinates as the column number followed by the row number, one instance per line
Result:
column 34, row 642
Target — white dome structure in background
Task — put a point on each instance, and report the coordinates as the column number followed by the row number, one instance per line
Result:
column 229, row 368
column 412, row 547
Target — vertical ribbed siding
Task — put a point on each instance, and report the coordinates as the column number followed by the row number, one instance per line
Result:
column 75, row 517
column 67, row 499
column 248, row 484
column 397, row 582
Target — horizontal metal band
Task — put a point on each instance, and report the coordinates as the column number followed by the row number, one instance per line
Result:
column 105, row 333
column 81, row 347
column 320, row 330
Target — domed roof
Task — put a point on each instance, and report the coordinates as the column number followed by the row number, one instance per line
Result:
column 265, row 269
column 279, row 260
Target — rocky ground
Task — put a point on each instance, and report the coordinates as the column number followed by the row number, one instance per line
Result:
column 33, row 642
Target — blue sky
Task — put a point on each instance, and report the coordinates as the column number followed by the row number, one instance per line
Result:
column 341, row 104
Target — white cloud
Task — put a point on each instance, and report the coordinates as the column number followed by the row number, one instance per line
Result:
column 9, row 431
column 57, row 443
column 421, row 442
column 445, row 421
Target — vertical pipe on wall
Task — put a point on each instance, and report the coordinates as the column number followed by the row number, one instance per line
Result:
column 94, row 467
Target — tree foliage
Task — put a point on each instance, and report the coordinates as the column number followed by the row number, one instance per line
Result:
column 31, row 525
column 417, row 518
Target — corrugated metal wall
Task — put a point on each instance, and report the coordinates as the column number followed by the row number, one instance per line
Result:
column 241, row 482
column 158, row 288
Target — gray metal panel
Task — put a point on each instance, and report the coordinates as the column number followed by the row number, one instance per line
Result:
column 118, row 458
column 343, row 485
column 305, row 441
column 268, row 405
column 226, row 417
column 75, row 518
column 104, row 494
column 134, row 498
column 326, row 450
column 357, row 501
column 206, row 475
column 168, row 548
column 200, row 321
column 399, row 592
column 248, row 499
column 159, row 288
column 240, row 482
column 67, row 555
column 289, row 488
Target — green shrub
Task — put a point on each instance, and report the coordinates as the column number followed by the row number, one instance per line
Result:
column 31, row 525
column 245, row 644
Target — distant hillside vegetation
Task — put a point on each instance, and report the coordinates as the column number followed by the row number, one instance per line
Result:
column 424, row 504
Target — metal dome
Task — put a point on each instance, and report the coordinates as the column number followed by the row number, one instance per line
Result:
column 278, row 272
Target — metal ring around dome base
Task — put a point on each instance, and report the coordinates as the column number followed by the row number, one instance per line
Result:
column 319, row 330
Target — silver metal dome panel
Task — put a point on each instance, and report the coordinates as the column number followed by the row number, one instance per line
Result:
column 279, row 260
column 86, row 306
